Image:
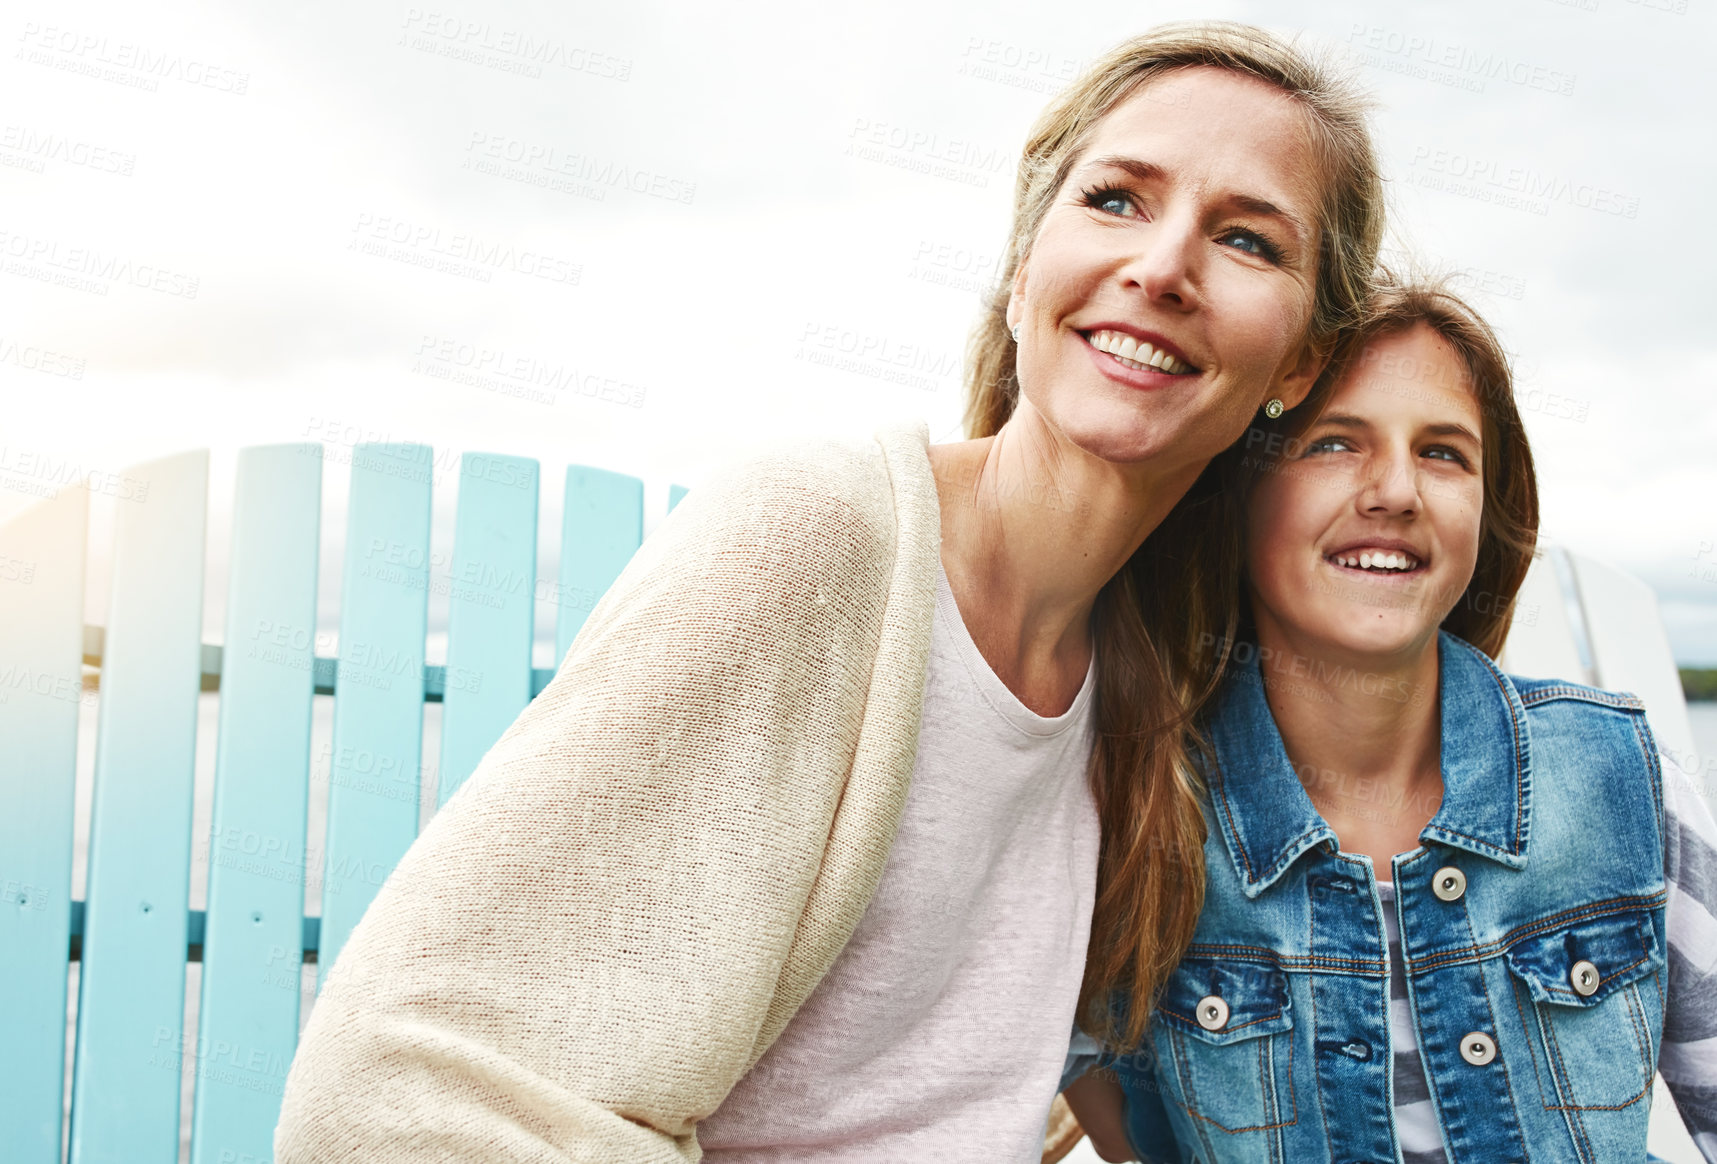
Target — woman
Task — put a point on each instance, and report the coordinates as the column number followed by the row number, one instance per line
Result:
column 1451, row 914
column 717, row 890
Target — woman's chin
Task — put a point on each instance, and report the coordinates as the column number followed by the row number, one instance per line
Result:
column 1128, row 432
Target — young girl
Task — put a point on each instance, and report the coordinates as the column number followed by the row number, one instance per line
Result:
column 1450, row 915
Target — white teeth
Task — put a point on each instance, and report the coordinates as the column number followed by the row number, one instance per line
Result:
column 1377, row 561
column 1135, row 354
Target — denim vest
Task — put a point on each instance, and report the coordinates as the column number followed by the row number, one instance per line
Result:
column 1532, row 932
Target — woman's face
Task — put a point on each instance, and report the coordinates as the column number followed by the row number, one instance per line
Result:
column 1364, row 534
column 1186, row 229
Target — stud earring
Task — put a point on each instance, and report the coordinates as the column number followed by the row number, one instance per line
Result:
column 1273, row 409
column 1015, row 333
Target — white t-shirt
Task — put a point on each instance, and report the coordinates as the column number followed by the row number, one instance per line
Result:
column 940, row 1032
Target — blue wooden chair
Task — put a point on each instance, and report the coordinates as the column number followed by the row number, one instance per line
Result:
column 133, row 933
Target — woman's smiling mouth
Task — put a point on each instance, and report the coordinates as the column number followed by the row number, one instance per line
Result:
column 1136, row 354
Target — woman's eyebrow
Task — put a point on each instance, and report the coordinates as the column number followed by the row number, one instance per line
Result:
column 1144, row 171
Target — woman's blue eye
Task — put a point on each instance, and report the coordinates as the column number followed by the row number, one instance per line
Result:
column 1329, row 444
column 1254, row 243
column 1443, row 452
column 1105, row 197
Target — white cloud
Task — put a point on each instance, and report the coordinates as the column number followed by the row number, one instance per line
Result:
column 752, row 228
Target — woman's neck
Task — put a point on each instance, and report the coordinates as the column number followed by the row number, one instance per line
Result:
column 1032, row 529
column 1364, row 735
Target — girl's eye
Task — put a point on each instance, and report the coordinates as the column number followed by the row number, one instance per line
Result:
column 1329, row 444
column 1445, row 453
column 1106, row 198
column 1254, row 243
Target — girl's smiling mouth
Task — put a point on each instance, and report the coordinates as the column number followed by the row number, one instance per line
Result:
column 1377, row 559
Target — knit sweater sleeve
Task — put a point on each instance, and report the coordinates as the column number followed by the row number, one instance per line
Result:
column 589, row 944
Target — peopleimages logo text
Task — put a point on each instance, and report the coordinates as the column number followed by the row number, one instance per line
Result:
column 1461, row 59
column 1525, row 180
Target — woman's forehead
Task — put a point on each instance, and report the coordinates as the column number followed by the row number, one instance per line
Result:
column 1217, row 127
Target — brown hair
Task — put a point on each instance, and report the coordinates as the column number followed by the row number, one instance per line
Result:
column 1162, row 625
column 1508, row 525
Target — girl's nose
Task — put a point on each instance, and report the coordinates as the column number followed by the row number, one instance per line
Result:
column 1391, row 485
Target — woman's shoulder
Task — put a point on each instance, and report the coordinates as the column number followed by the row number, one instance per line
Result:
column 789, row 533
column 807, row 492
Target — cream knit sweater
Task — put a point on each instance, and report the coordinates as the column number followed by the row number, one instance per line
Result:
column 645, row 877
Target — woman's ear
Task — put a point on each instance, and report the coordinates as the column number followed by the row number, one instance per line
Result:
column 1016, row 293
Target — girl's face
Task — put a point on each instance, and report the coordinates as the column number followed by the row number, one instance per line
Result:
column 1364, row 534
column 1167, row 294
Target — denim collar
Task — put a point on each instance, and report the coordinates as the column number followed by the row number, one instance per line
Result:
column 1267, row 820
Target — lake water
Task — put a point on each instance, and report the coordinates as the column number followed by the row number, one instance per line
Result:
column 1704, row 717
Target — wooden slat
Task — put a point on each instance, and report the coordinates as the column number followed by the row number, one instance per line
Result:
column 41, row 639
column 131, row 990
column 247, row 1021
column 378, row 702
column 1541, row 641
column 1630, row 648
column 491, row 611
column 602, row 527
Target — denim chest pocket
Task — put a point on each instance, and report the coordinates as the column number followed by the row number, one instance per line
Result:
column 1224, row 1035
column 1590, row 996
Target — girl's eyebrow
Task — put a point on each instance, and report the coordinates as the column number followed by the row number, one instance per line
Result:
column 1343, row 420
column 1446, row 429
column 1452, row 429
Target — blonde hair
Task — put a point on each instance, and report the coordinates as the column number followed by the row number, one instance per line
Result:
column 1162, row 625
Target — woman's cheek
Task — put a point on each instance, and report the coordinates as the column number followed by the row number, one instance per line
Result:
column 1275, row 321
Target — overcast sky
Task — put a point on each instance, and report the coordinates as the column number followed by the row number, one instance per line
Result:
column 336, row 222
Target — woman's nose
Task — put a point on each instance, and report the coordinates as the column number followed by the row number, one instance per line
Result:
column 1165, row 262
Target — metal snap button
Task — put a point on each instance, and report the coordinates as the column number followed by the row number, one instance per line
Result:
column 1212, row 1013
column 1448, row 883
column 1478, row 1048
column 1585, row 978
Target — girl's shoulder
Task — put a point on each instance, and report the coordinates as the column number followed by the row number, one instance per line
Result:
column 1588, row 721
column 1536, row 693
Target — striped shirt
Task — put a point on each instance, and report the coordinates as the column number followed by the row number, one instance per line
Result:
column 1415, row 1115
column 1688, row 1055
